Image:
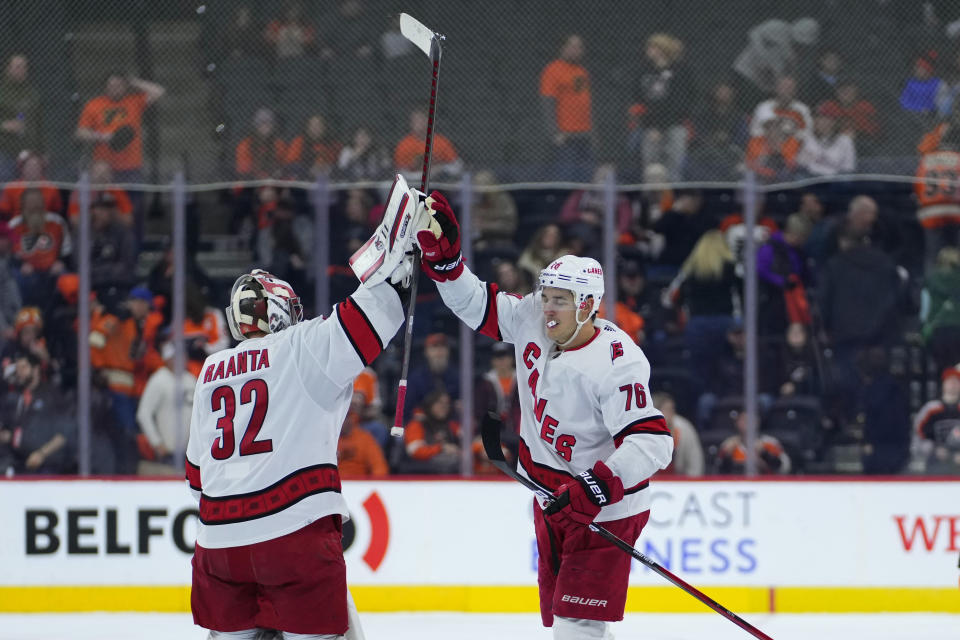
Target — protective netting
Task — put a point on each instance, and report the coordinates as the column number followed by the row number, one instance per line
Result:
column 307, row 108
column 532, row 91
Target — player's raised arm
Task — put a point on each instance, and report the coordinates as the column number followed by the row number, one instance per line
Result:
column 480, row 305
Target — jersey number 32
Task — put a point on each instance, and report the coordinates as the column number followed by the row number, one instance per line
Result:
column 224, row 399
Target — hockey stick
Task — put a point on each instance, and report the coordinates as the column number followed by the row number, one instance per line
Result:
column 490, row 432
column 428, row 42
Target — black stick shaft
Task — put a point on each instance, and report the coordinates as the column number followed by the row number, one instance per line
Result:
column 435, row 53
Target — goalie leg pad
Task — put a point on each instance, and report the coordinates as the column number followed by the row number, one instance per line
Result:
column 386, row 255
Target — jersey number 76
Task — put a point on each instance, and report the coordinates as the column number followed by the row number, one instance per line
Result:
column 223, row 398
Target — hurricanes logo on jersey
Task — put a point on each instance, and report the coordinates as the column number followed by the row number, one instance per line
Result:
column 616, row 350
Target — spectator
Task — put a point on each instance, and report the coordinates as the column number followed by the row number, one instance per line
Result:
column 681, row 227
column 314, row 152
column 545, row 245
column 292, row 35
column 799, row 374
column 721, row 112
column 732, row 455
column 938, row 200
column 355, row 31
column 355, row 222
column 118, row 348
column 583, row 210
column 204, row 330
column 496, row 391
column 856, row 116
column 663, row 99
column 101, row 175
column 775, row 48
column 715, row 157
column 30, row 169
column 113, row 124
column 811, row 208
column 20, row 115
column 791, row 117
column 859, row 293
column 28, row 337
column 919, row 95
column 358, row 453
column 363, row 158
column 860, row 223
column 242, row 39
column 260, row 155
column 940, row 309
column 565, row 99
column 288, row 252
column 625, row 314
column 734, row 226
column 825, row 151
column 709, row 288
column 510, row 278
column 825, row 80
column 408, row 154
column 937, row 427
column 112, row 261
column 437, row 373
column 156, row 413
column 494, row 213
column 10, row 301
column 432, row 437
column 773, row 155
column 687, row 451
column 42, row 247
column 36, row 430
column 366, row 387
column 886, row 428
column 782, row 276
column 949, row 90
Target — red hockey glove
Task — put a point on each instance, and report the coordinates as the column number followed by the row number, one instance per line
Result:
column 579, row 501
column 440, row 243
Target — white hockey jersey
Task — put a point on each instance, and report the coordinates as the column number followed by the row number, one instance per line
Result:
column 579, row 405
column 262, row 454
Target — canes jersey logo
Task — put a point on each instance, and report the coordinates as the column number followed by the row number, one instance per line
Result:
column 379, row 541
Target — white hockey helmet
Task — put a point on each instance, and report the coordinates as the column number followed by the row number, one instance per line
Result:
column 261, row 302
column 582, row 276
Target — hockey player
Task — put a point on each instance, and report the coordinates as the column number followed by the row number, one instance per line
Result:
column 262, row 452
column 589, row 429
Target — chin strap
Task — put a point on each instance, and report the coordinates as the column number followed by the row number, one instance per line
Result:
column 576, row 332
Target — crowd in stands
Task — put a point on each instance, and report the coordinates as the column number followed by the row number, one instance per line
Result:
column 859, row 284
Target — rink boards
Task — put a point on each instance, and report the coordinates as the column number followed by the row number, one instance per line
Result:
column 786, row 546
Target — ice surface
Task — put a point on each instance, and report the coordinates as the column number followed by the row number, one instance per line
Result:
column 455, row 626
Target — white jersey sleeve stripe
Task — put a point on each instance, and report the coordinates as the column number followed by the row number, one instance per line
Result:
column 359, row 331
column 655, row 425
column 490, row 324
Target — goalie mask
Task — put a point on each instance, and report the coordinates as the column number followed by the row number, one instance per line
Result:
column 261, row 303
column 582, row 276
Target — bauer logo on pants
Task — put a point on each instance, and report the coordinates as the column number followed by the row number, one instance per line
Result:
column 589, row 602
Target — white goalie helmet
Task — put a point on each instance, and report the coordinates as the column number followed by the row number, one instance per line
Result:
column 582, row 276
column 261, row 302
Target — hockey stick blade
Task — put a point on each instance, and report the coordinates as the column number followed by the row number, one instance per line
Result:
column 417, row 33
column 490, row 428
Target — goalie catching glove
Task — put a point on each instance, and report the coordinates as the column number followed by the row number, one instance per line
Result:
column 578, row 502
column 440, row 241
column 388, row 254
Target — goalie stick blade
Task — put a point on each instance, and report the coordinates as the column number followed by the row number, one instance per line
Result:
column 415, row 31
